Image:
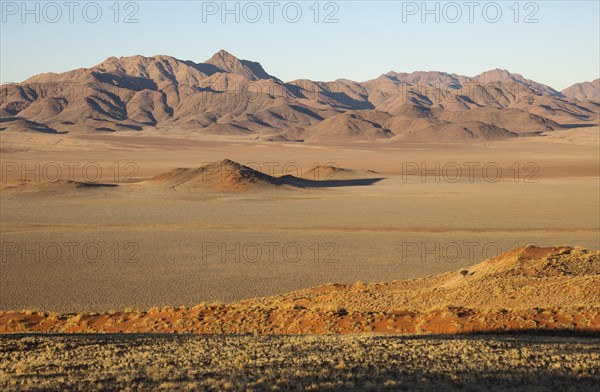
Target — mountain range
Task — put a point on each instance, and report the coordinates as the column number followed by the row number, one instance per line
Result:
column 238, row 98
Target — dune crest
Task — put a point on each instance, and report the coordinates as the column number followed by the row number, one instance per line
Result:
column 230, row 175
column 225, row 174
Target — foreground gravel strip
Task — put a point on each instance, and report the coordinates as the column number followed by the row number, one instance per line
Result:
column 350, row 362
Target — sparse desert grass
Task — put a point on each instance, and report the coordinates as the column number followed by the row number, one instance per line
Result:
column 300, row 363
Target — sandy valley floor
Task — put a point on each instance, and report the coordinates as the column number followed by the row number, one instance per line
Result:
column 135, row 245
column 159, row 244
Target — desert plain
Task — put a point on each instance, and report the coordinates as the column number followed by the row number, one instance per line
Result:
column 196, row 244
column 202, row 255
column 169, row 283
column 150, row 243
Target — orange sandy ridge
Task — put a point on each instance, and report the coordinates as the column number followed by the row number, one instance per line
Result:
column 527, row 289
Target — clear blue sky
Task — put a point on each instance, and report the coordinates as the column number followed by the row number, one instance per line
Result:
column 369, row 38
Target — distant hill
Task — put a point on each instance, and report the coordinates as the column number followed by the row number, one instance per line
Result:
column 586, row 91
column 238, row 98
